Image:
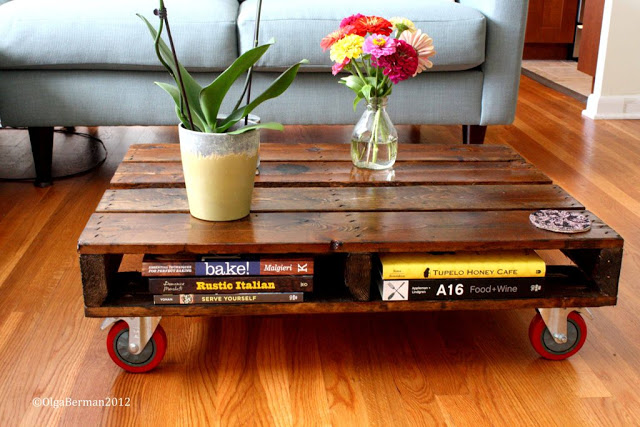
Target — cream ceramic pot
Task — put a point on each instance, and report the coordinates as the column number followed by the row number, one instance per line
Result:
column 219, row 172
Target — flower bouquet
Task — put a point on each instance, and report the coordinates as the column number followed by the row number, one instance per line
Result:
column 378, row 53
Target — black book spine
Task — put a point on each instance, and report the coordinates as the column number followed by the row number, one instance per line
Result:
column 459, row 289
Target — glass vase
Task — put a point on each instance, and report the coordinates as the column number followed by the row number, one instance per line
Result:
column 374, row 141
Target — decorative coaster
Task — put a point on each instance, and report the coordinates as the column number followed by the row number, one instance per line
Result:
column 560, row 221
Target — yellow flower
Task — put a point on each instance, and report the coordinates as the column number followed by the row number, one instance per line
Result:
column 347, row 47
column 403, row 24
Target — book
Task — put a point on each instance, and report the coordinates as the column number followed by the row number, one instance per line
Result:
column 459, row 289
column 490, row 264
column 156, row 265
column 241, row 298
column 230, row 284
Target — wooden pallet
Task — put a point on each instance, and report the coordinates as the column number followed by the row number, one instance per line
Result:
column 309, row 199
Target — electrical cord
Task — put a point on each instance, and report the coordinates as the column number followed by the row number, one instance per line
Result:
column 64, row 131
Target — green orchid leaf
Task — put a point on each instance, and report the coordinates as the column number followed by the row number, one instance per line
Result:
column 276, row 88
column 183, row 119
column 164, row 53
column 211, row 97
column 175, row 94
column 191, row 86
column 270, row 125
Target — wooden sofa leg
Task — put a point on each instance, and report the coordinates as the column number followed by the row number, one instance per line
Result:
column 473, row 134
column 42, row 149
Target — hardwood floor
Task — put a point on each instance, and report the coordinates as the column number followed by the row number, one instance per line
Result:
column 457, row 368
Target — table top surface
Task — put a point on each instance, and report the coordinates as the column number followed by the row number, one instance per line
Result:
column 310, row 199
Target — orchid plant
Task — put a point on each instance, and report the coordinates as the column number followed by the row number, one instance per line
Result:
column 198, row 107
column 378, row 52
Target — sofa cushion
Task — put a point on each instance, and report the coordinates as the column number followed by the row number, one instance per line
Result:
column 458, row 31
column 67, row 34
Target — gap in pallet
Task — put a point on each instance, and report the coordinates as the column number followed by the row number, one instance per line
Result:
column 131, row 262
column 554, row 257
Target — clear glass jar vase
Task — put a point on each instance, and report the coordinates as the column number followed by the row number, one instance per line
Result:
column 374, row 141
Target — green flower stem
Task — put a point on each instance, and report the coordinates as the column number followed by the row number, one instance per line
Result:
column 355, row 66
column 377, row 130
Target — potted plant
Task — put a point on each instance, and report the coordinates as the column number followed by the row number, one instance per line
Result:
column 219, row 152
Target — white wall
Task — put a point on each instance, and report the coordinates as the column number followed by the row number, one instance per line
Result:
column 616, row 93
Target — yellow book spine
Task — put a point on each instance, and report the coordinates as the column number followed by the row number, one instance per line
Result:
column 416, row 268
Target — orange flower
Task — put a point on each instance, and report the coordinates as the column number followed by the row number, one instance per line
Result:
column 372, row 25
column 339, row 34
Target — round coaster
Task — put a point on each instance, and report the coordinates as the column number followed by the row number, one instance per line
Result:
column 560, row 221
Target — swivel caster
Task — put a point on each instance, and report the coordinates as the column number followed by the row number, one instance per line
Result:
column 124, row 353
column 558, row 345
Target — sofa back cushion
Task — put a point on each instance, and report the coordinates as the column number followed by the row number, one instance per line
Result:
column 67, row 34
column 458, row 31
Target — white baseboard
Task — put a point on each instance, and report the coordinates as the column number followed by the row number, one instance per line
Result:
column 612, row 107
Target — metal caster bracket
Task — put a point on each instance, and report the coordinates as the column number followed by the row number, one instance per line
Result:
column 140, row 330
column 556, row 320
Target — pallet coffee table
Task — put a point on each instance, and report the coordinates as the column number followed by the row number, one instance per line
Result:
column 310, row 200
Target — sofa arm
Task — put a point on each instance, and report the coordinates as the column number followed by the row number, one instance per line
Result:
column 506, row 21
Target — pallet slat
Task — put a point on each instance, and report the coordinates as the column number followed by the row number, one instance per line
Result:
column 336, row 152
column 418, row 198
column 341, row 174
column 143, row 307
column 326, row 232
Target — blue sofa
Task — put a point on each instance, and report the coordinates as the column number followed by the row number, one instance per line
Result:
column 84, row 63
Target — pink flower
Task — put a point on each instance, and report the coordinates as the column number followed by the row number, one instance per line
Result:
column 399, row 66
column 379, row 45
column 423, row 44
column 350, row 20
column 338, row 66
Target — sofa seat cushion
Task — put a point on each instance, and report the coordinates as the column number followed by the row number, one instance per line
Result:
column 68, row 34
column 458, row 31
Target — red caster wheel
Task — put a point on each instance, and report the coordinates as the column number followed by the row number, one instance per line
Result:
column 149, row 358
column 547, row 347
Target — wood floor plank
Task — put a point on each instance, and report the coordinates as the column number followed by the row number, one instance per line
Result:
column 418, row 399
column 344, row 391
column 305, row 371
column 415, row 198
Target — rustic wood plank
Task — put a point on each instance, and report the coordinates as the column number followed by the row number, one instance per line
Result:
column 134, row 307
column 97, row 272
column 332, row 232
column 601, row 265
column 332, row 174
column 270, row 151
column 357, row 276
column 414, row 198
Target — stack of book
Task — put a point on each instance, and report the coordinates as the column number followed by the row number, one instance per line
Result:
column 462, row 275
column 227, row 279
